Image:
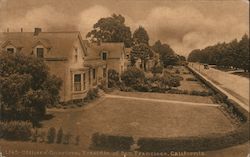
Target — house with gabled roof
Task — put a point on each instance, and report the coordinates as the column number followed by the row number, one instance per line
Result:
column 78, row 63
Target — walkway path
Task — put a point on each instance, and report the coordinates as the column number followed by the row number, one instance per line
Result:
column 160, row 100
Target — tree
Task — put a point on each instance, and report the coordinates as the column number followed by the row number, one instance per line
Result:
column 26, row 86
column 133, row 77
column 113, row 78
column 143, row 52
column 111, row 29
column 167, row 54
column 140, row 36
column 244, row 53
column 156, row 69
column 234, row 54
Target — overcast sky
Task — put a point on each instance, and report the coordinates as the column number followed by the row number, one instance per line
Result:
column 183, row 24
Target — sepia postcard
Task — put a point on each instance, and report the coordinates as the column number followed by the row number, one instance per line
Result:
column 124, row 78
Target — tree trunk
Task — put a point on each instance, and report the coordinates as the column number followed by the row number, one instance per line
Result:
column 145, row 65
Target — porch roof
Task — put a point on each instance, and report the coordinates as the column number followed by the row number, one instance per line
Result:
column 94, row 63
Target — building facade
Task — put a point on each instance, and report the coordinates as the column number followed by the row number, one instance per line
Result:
column 78, row 63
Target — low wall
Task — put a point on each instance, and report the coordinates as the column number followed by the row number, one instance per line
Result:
column 208, row 83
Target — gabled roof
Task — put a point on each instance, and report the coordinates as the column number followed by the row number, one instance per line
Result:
column 43, row 42
column 15, row 43
column 60, row 43
column 113, row 49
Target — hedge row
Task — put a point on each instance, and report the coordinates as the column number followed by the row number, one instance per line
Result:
column 15, row 130
column 205, row 143
column 110, row 142
column 53, row 136
column 193, row 92
column 234, row 108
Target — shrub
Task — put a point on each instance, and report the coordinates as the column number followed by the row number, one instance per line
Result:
column 177, row 71
column 173, row 82
column 16, row 130
column 191, row 79
column 157, row 69
column 92, row 94
column 133, row 76
column 198, row 143
column 103, row 86
column 113, row 78
column 125, row 88
column 177, row 91
column 51, row 135
column 142, row 87
column 110, row 142
column 218, row 98
column 77, row 140
column 67, row 138
column 235, row 109
column 178, row 77
column 41, row 136
column 201, row 93
column 59, row 136
column 34, row 135
column 186, row 72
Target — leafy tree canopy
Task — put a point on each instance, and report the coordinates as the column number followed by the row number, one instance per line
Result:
column 143, row 52
column 140, row 36
column 111, row 29
column 26, row 85
column 167, row 54
column 233, row 54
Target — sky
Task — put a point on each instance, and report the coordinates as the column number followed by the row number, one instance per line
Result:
column 183, row 24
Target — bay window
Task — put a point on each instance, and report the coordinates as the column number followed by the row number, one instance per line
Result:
column 77, row 82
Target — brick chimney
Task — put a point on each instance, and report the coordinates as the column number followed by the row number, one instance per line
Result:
column 37, row 31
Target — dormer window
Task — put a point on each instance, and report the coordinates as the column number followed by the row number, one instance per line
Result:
column 40, row 52
column 104, row 55
column 10, row 50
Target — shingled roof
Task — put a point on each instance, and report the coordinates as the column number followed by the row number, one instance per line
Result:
column 60, row 43
column 114, row 50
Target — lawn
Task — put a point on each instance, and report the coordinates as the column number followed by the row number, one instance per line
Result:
column 140, row 119
column 117, row 116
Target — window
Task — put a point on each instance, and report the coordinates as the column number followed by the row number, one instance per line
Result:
column 39, row 52
column 94, row 74
column 104, row 56
column 89, row 77
column 10, row 50
column 121, row 68
column 77, row 82
column 75, row 58
column 76, row 54
column 104, row 72
column 84, row 81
